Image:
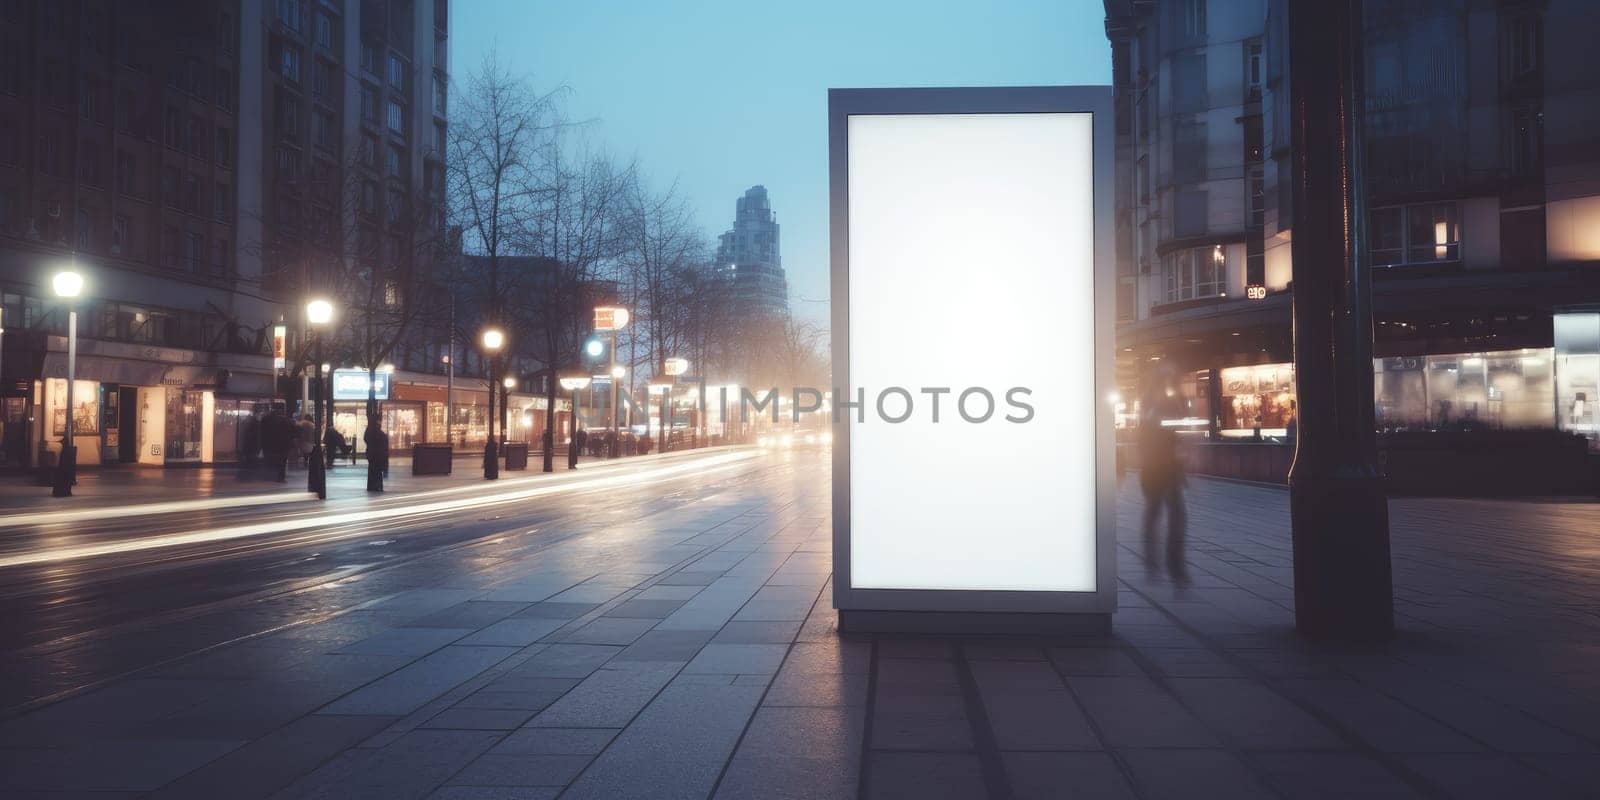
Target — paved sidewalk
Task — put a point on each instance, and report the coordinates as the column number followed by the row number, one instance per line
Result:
column 695, row 654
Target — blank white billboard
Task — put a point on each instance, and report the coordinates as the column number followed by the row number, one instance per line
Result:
column 972, row 266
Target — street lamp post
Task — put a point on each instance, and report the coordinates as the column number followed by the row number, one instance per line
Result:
column 617, row 373
column 318, row 314
column 68, row 285
column 492, row 340
column 508, row 383
column 574, row 384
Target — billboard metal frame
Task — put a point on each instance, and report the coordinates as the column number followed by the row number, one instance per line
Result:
column 929, row 610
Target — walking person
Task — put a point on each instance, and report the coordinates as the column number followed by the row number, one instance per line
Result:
column 276, row 434
column 305, row 439
column 377, row 455
column 1161, row 475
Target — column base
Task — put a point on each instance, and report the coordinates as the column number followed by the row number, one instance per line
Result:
column 1343, row 587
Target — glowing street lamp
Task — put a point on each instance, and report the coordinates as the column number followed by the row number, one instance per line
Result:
column 492, row 340
column 574, row 384
column 319, row 313
column 68, row 284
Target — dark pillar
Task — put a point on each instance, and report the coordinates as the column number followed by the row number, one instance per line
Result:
column 1337, row 504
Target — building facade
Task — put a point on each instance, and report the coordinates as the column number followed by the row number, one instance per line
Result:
column 749, row 256
column 179, row 155
column 1482, row 176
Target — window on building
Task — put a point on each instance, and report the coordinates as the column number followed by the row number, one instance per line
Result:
column 289, row 62
column 1520, row 48
column 1417, row 234
column 225, row 89
column 224, row 147
column 169, row 247
column 1194, row 273
column 288, row 163
column 369, row 105
column 369, row 150
column 89, row 98
column 369, row 57
column 440, row 94
column 222, row 203
column 1525, row 140
column 288, row 115
column 171, row 121
column 222, row 260
column 194, row 251
column 324, row 36
column 226, row 30
column 1189, row 82
column 127, row 173
column 1254, row 67
column 369, row 197
column 1191, row 18
column 397, row 117
column 89, row 164
column 396, row 206
column 322, row 81
column 191, row 193
column 1189, row 151
column 195, row 137
column 119, row 234
column 83, row 227
column 396, row 162
column 323, row 130
column 289, row 12
column 10, row 67
column 439, row 138
column 397, row 72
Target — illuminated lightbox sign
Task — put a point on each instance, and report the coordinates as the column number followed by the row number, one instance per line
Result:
column 972, row 273
column 351, row 384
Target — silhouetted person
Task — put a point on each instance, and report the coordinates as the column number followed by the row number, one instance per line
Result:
column 305, row 438
column 377, row 455
column 249, row 445
column 276, row 435
column 331, row 442
column 1161, row 475
column 575, row 448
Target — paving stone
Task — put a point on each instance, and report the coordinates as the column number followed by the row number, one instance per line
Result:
column 1378, row 720
column 409, row 641
column 792, row 688
column 565, row 661
column 1094, row 661
column 549, row 610
column 750, row 631
column 811, row 753
column 610, row 630
column 107, row 765
column 472, row 614
column 410, row 767
column 527, row 694
column 644, row 609
column 676, row 748
column 274, row 761
column 738, row 659
column 409, row 688
column 495, row 793
column 1331, row 776
column 556, row 741
column 658, row 645
column 1186, row 662
column 1484, row 776
column 1136, row 712
column 609, row 698
column 522, row 769
column 1029, row 708
column 514, row 632
column 925, row 776
column 1049, row 776
column 1253, row 716
column 1186, row 774
column 480, row 719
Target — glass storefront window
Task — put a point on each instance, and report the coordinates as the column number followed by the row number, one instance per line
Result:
column 1259, row 396
column 1464, row 391
column 184, row 409
column 1577, row 365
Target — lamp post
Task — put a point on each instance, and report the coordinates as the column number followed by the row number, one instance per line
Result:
column 318, row 314
column 574, row 384
column 508, row 383
column 617, row 374
column 662, row 384
column 68, row 284
column 492, row 340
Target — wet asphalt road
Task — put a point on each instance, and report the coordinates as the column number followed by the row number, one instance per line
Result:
column 84, row 600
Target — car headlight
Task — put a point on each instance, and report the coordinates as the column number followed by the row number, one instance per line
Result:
column 764, row 441
column 787, row 440
column 827, row 438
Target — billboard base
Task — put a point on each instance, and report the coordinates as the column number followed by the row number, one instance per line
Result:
column 975, row 622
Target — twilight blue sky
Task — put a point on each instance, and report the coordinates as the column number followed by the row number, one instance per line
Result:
column 719, row 95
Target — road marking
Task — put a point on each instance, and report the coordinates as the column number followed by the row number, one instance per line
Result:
column 626, row 480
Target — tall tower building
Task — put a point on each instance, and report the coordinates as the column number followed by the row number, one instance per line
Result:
column 748, row 256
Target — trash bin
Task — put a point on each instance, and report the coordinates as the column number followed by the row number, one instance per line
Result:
column 516, row 455
column 431, row 458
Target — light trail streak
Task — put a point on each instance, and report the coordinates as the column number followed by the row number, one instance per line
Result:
column 630, row 479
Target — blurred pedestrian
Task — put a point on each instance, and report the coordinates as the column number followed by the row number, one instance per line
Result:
column 305, row 439
column 377, row 455
column 275, row 440
column 1161, row 474
column 331, row 442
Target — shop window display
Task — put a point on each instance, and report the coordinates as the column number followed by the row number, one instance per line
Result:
column 1510, row 389
column 1256, row 397
column 1577, row 365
